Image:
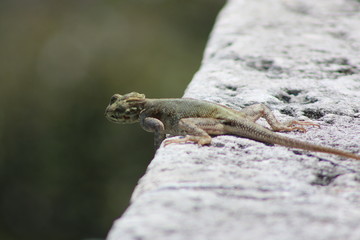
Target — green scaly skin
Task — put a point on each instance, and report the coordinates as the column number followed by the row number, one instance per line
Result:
column 199, row 120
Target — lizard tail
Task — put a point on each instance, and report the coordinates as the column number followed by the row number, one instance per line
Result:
column 252, row 131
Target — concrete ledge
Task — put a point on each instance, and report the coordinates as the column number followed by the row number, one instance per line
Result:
column 301, row 58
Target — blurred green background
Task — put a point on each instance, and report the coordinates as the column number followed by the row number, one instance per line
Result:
column 65, row 171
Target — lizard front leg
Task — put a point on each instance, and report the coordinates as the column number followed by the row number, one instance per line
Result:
column 254, row 112
column 154, row 125
column 197, row 130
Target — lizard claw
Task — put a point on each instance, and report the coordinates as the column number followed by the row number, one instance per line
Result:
column 200, row 140
column 300, row 129
column 175, row 140
column 304, row 123
column 290, row 126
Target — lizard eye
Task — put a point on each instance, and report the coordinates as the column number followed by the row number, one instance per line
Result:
column 113, row 99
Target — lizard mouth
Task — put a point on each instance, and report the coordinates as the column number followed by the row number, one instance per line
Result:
column 111, row 116
column 117, row 116
column 118, row 119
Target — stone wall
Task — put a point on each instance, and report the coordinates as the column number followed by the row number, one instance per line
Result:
column 301, row 58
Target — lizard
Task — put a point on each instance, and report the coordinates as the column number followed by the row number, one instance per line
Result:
column 197, row 121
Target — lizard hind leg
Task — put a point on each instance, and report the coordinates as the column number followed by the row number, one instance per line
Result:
column 254, row 112
column 197, row 130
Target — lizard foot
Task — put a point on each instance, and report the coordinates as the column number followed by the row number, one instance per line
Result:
column 290, row 126
column 303, row 123
column 200, row 140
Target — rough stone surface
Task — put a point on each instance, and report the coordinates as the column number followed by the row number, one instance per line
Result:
column 302, row 58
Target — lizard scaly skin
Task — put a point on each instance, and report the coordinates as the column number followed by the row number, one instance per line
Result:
column 199, row 120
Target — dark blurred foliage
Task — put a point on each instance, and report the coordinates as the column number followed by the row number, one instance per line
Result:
column 65, row 171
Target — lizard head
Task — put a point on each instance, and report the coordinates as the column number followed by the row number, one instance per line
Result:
column 125, row 108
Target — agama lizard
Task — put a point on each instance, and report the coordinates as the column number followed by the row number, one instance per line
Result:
column 199, row 120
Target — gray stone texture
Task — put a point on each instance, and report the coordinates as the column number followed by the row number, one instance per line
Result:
column 301, row 58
